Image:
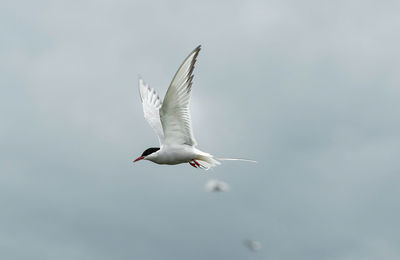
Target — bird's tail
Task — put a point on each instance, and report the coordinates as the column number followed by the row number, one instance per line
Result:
column 208, row 161
column 236, row 159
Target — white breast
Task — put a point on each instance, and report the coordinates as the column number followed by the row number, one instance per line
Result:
column 173, row 154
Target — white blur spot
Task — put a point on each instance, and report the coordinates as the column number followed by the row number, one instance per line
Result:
column 216, row 186
column 252, row 245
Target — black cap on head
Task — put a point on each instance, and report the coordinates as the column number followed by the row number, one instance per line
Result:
column 150, row 151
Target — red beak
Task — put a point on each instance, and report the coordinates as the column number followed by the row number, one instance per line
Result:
column 139, row 158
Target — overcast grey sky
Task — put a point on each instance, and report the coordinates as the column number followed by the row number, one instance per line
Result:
column 310, row 89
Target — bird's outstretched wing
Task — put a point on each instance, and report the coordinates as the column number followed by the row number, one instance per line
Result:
column 174, row 112
column 151, row 106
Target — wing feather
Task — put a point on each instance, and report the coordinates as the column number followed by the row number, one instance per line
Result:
column 151, row 106
column 175, row 112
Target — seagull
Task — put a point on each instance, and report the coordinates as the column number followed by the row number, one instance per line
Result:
column 171, row 121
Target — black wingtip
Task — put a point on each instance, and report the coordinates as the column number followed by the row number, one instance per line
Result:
column 197, row 49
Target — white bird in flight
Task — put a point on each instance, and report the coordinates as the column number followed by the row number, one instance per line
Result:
column 171, row 121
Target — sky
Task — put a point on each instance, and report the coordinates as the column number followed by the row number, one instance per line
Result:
column 310, row 89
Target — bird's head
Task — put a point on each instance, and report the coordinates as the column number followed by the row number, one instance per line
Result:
column 147, row 154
